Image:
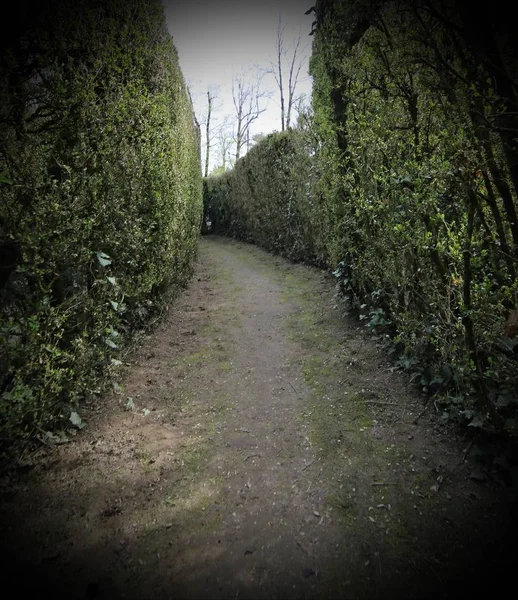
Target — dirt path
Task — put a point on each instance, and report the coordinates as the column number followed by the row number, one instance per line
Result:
column 258, row 446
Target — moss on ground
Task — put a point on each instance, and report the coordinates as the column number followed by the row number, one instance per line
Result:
column 355, row 464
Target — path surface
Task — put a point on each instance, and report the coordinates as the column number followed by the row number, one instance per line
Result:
column 256, row 446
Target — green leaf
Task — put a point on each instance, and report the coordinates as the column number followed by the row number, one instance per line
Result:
column 76, row 420
column 115, row 305
column 4, row 177
column 103, row 259
column 112, row 280
column 59, row 437
column 130, row 405
column 110, row 343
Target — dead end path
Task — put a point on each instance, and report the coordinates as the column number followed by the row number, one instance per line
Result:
column 257, row 446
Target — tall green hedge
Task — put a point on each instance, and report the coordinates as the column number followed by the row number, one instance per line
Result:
column 410, row 191
column 419, row 176
column 100, row 191
column 267, row 197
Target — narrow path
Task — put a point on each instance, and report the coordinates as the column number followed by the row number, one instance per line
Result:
column 256, row 446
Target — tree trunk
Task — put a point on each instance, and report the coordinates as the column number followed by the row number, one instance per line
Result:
column 279, row 66
column 207, row 133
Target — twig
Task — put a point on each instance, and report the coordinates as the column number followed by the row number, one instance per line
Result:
column 302, row 546
column 381, row 402
column 293, row 387
column 252, row 456
column 308, row 465
column 421, row 413
column 383, row 483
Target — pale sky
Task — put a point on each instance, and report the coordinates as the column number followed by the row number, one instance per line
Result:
column 216, row 40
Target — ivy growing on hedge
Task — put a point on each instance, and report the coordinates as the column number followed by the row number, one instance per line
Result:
column 100, row 190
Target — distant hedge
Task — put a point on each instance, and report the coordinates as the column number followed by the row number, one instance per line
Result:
column 266, row 198
column 409, row 191
column 100, row 190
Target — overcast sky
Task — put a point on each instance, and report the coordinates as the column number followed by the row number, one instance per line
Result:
column 218, row 39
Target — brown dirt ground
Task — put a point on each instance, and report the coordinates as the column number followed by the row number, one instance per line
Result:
column 268, row 451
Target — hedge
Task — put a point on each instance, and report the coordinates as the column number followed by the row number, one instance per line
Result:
column 101, row 195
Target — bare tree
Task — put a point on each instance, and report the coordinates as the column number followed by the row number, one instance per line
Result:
column 247, row 97
column 292, row 62
column 210, row 132
column 295, row 66
column 276, row 69
column 225, row 140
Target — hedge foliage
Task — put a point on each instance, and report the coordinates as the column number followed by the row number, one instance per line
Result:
column 100, row 190
column 267, row 197
column 409, row 191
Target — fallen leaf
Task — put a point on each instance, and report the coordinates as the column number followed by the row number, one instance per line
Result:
column 76, row 420
column 477, row 475
column 58, row 437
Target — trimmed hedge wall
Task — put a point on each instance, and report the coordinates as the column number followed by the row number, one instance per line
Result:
column 101, row 195
column 267, row 198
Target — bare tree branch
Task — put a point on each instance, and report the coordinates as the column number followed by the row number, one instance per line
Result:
column 293, row 79
column 208, row 123
column 247, row 97
column 278, row 72
column 225, row 140
column 211, row 96
column 292, row 63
